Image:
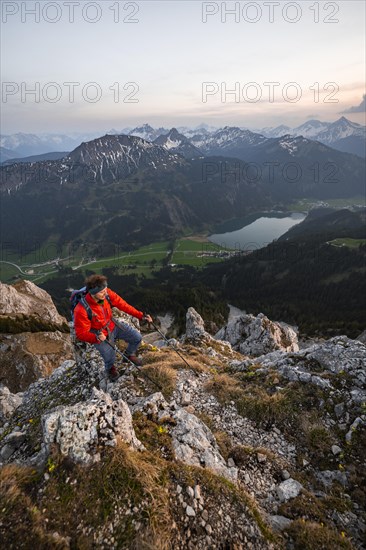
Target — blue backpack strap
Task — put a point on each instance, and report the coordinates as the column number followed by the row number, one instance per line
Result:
column 87, row 307
column 79, row 297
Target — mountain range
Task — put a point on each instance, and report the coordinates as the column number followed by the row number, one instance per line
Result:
column 122, row 189
column 175, row 141
column 342, row 135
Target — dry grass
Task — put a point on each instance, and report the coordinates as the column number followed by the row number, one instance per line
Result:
column 164, row 376
column 243, row 454
column 225, row 388
column 265, row 409
column 124, row 496
column 130, row 496
column 170, row 358
column 80, row 502
column 224, row 443
column 313, row 536
column 148, row 473
column 252, row 402
column 318, row 438
column 22, row 524
column 305, row 506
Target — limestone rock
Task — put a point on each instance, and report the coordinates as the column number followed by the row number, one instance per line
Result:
column 28, row 356
column 8, row 402
column 26, row 307
column 362, row 337
column 336, row 450
column 279, row 523
column 357, row 422
column 12, row 442
column 82, row 429
column 195, row 326
column 327, row 477
column 337, row 356
column 290, row 488
column 195, row 331
column 195, row 444
column 258, row 335
column 151, row 405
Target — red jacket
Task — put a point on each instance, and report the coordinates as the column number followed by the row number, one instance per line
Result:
column 102, row 316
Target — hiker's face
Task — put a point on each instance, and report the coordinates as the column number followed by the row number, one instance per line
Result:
column 101, row 295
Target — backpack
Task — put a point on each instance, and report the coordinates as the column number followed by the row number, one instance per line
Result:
column 79, row 296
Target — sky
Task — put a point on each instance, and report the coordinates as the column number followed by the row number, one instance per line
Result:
column 80, row 66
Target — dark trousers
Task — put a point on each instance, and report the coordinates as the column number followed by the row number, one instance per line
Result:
column 124, row 332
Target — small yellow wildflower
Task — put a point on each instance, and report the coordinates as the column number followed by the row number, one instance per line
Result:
column 162, row 430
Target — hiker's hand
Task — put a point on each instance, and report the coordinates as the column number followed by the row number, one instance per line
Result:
column 147, row 318
column 101, row 337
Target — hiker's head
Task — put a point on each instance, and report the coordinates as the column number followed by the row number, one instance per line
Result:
column 96, row 285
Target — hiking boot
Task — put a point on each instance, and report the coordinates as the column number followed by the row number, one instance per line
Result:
column 113, row 374
column 135, row 360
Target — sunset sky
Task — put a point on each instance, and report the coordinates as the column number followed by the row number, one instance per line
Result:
column 173, row 63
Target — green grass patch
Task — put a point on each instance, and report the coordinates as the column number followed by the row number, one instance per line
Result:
column 349, row 243
column 45, row 263
column 8, row 272
column 197, row 253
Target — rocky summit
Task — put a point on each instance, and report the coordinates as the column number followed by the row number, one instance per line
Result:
column 247, row 440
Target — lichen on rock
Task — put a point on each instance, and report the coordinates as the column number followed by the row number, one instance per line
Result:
column 81, row 430
column 255, row 336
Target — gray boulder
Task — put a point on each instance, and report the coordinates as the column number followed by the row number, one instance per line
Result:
column 279, row 523
column 12, row 442
column 362, row 337
column 328, row 477
column 151, row 405
column 82, row 429
column 24, row 306
column 195, row 332
column 195, row 444
column 335, row 357
column 256, row 336
column 288, row 489
column 8, row 403
column 195, row 326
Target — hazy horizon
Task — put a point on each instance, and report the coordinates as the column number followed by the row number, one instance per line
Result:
column 93, row 66
column 103, row 131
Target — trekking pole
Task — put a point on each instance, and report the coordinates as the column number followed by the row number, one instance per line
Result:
column 133, row 364
column 120, row 352
column 175, row 349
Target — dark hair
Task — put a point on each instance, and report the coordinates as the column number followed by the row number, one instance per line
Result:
column 95, row 281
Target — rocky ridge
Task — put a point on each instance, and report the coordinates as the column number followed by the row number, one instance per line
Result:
column 284, row 428
column 34, row 337
column 29, row 307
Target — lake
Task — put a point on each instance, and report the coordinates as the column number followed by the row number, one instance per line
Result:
column 256, row 230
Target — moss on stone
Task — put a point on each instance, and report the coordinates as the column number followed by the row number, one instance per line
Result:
column 14, row 324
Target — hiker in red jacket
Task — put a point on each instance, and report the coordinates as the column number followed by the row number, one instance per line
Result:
column 101, row 326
